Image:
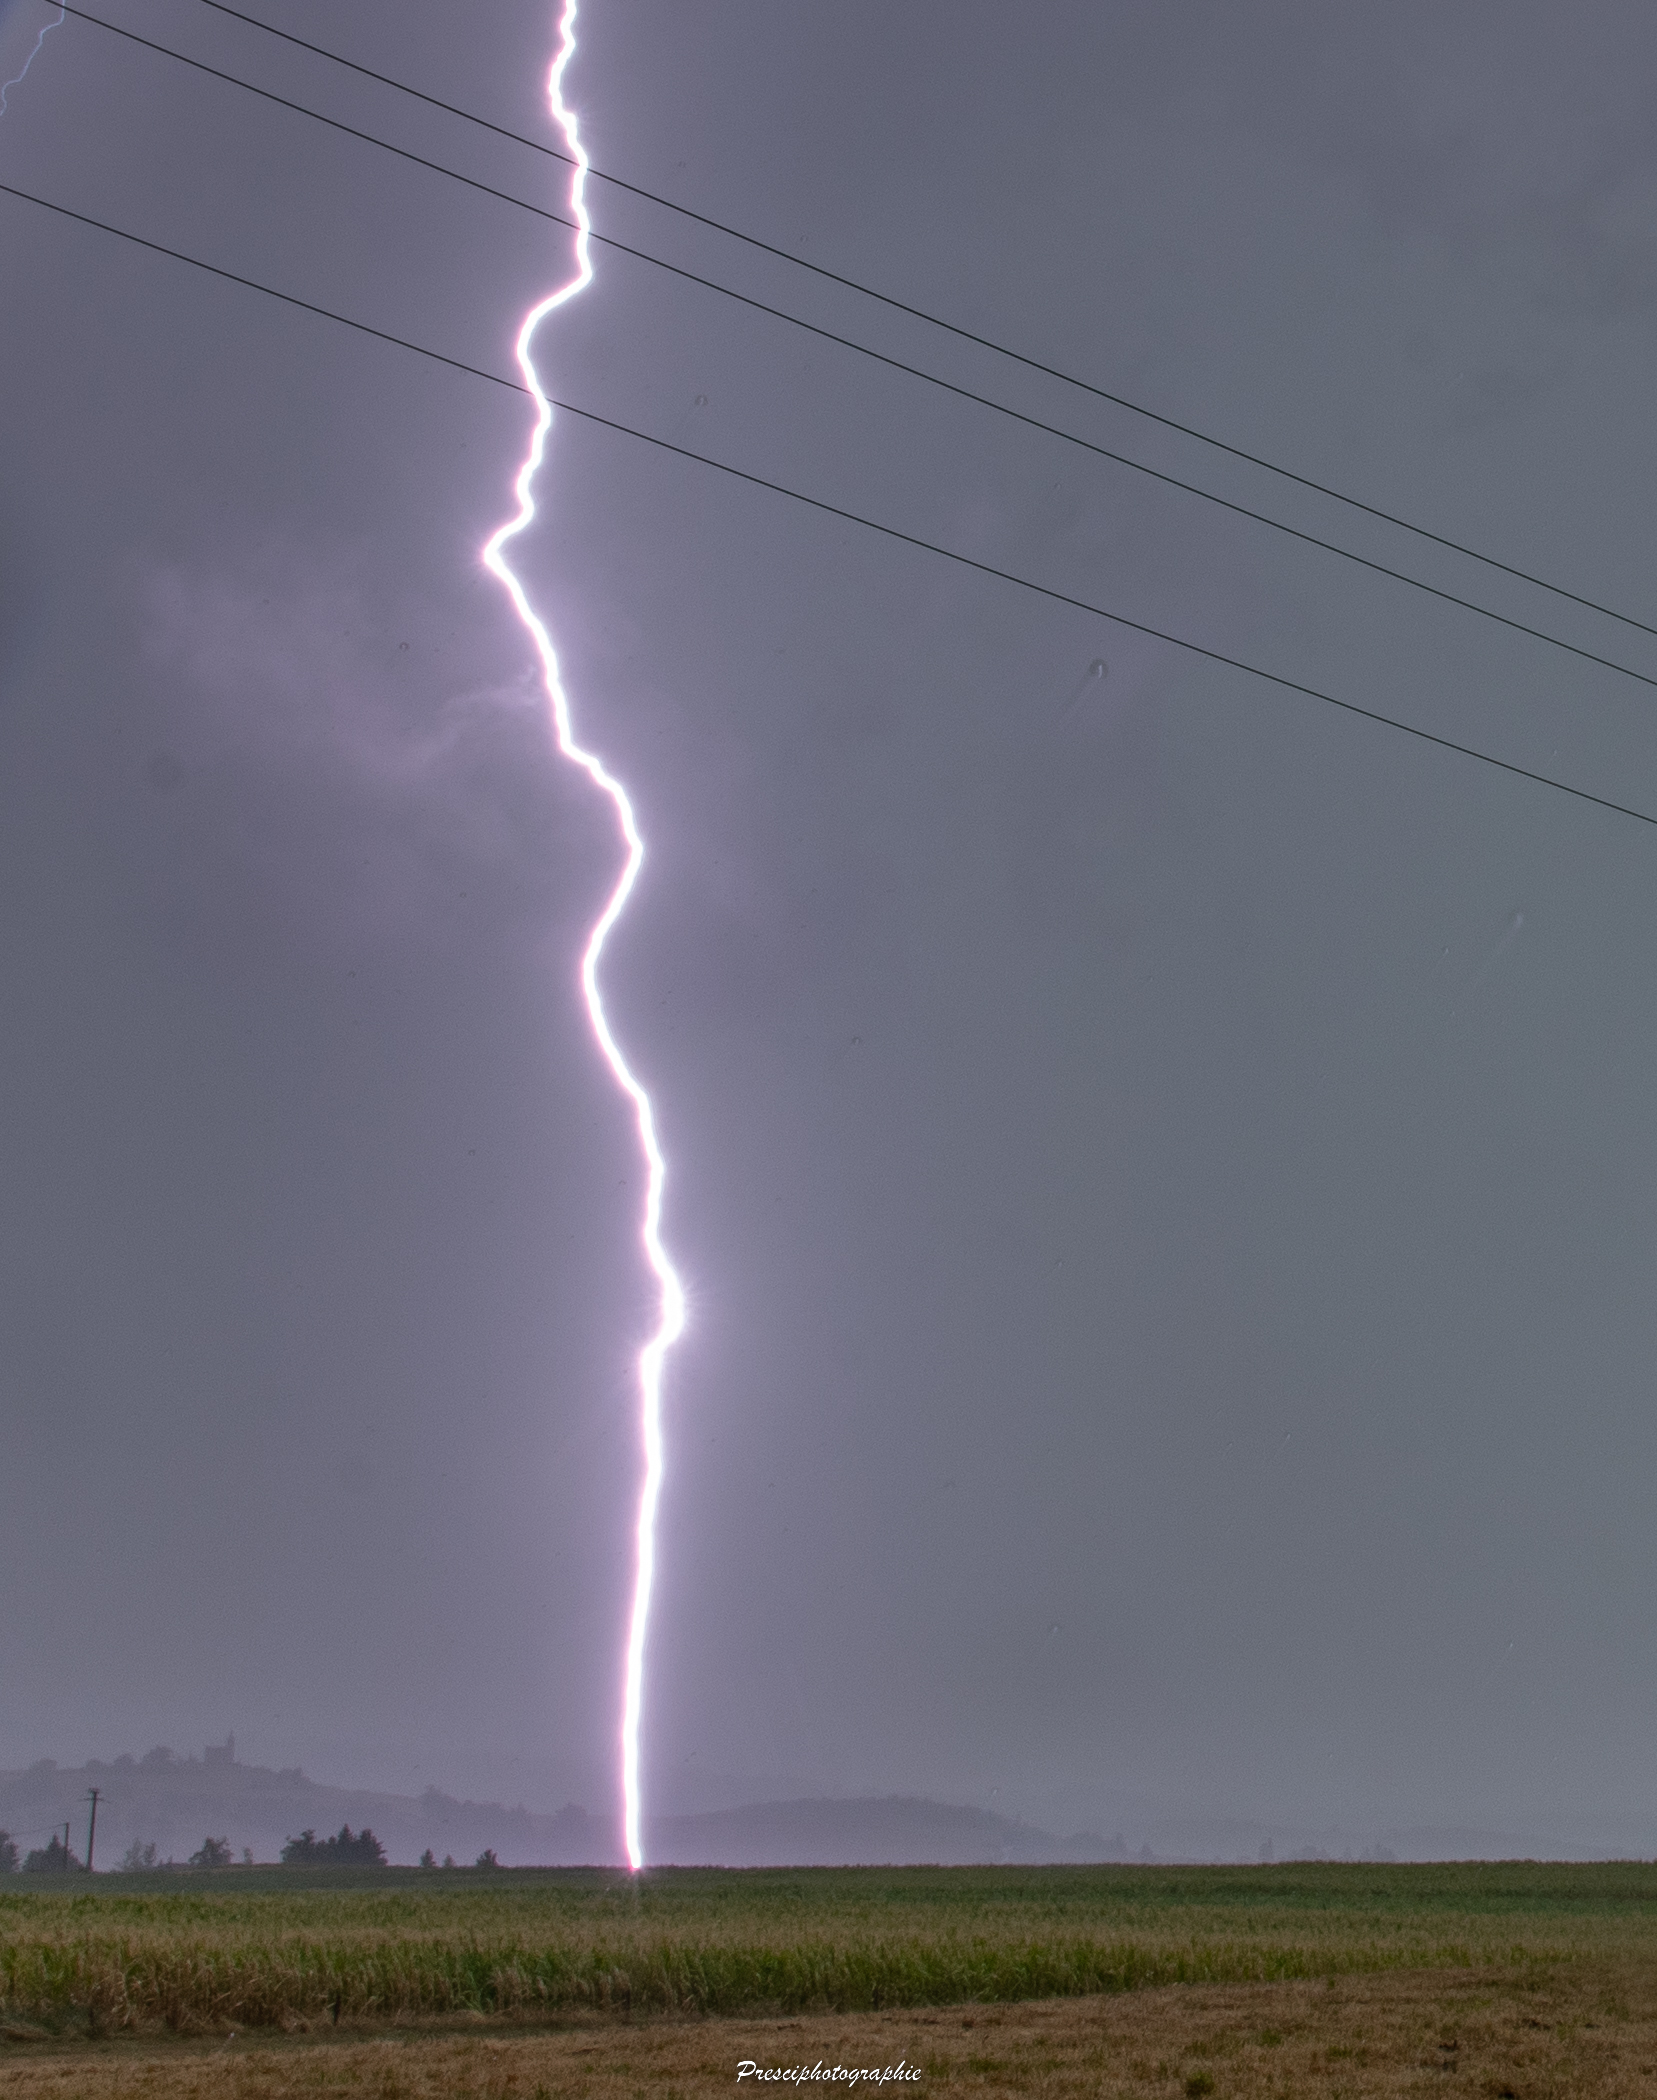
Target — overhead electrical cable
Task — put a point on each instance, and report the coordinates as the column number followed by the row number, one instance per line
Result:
column 918, row 313
column 835, row 510
column 1242, row 510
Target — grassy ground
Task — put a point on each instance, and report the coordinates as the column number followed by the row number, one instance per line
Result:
column 1584, row 2027
column 286, row 1953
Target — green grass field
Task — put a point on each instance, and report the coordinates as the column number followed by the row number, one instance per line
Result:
column 285, row 1949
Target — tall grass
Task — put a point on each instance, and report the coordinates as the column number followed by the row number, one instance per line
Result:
column 205, row 1952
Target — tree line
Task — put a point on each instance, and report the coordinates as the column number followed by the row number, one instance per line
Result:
column 342, row 1850
column 346, row 1848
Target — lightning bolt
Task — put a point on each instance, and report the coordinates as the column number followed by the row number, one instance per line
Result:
column 16, row 80
column 670, row 1321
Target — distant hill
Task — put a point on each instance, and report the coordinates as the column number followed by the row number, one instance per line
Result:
column 898, row 1830
column 175, row 1802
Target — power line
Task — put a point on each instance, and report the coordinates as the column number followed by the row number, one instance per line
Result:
column 850, row 517
column 932, row 320
column 1242, row 510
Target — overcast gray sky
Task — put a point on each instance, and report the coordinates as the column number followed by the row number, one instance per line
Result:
column 1164, row 1169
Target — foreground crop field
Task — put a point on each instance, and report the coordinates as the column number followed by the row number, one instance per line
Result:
column 1586, row 2029
column 283, row 1952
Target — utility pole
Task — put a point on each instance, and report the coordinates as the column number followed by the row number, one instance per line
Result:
column 66, row 1848
column 92, row 1793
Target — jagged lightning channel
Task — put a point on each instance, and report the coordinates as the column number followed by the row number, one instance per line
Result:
column 671, row 1310
column 16, row 80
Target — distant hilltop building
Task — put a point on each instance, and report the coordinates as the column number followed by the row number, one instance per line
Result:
column 221, row 1753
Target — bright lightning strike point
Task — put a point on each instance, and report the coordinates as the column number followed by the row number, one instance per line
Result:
column 671, row 1306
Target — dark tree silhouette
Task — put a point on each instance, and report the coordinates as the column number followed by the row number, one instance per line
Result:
column 348, row 1849
column 51, row 1859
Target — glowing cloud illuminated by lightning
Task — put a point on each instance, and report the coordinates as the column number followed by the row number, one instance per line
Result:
column 671, row 1314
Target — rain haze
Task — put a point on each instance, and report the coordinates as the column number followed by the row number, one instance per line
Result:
column 1164, row 1169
